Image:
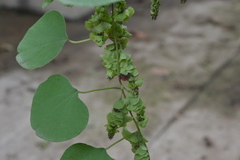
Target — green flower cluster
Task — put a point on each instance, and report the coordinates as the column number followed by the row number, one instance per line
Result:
column 99, row 23
column 136, row 105
column 110, row 61
column 117, row 118
column 114, row 65
column 138, row 144
column 122, row 13
column 155, row 7
column 134, row 84
column 119, row 115
column 119, row 63
column 104, row 25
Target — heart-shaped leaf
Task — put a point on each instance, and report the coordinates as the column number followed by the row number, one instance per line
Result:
column 87, row 3
column 57, row 113
column 80, row 151
column 43, row 41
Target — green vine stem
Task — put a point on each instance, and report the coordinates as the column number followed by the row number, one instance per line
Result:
column 118, row 63
column 117, row 45
column 115, row 40
column 101, row 89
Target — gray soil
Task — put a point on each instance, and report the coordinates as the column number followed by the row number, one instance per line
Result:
column 188, row 58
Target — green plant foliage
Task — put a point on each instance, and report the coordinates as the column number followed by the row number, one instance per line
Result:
column 43, row 41
column 82, row 151
column 117, row 118
column 87, row 3
column 138, row 144
column 124, row 15
column 46, row 3
column 155, row 7
column 183, row 1
column 105, row 25
column 57, row 113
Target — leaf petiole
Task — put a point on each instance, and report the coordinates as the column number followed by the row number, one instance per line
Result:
column 81, row 41
column 101, row 89
column 114, row 143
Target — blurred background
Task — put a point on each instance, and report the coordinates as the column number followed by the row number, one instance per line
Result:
column 189, row 59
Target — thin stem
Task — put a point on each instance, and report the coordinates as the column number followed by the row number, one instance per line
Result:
column 115, row 40
column 101, row 89
column 114, row 143
column 135, row 122
column 139, row 130
column 81, row 41
column 122, row 88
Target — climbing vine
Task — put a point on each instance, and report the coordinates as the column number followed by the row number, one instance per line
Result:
column 57, row 113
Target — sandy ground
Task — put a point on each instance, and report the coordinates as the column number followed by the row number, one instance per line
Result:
column 175, row 55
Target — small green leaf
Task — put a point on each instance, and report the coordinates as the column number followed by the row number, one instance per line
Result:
column 80, row 151
column 131, row 107
column 57, row 113
column 101, row 27
column 46, row 3
column 98, row 39
column 139, row 82
column 125, row 15
column 134, row 100
column 118, row 104
column 43, row 41
column 143, row 122
column 131, row 137
column 87, row 3
column 125, row 56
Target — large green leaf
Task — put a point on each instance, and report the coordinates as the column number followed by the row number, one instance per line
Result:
column 43, row 41
column 87, row 3
column 57, row 113
column 80, row 151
